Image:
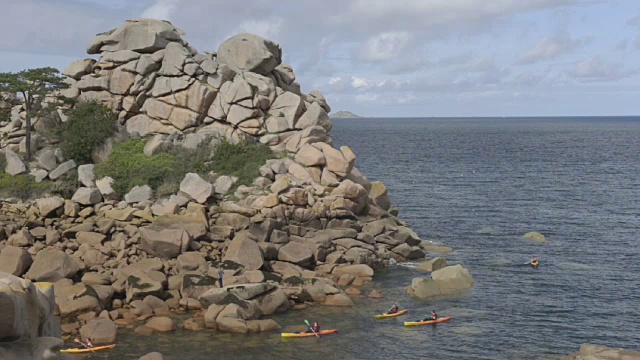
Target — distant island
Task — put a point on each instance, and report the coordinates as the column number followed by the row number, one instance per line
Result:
column 345, row 115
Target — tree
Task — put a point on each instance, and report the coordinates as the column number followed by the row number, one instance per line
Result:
column 34, row 85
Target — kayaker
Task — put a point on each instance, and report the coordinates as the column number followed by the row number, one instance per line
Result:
column 393, row 310
column 315, row 328
column 89, row 343
column 433, row 316
column 533, row 262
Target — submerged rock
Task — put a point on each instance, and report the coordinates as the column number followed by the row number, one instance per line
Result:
column 535, row 236
column 598, row 352
column 446, row 281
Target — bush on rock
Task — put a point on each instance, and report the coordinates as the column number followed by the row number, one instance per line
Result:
column 89, row 126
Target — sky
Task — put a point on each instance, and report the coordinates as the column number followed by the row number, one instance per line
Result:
column 386, row 58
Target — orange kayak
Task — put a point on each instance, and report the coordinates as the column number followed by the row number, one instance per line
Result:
column 304, row 334
column 384, row 316
column 87, row 351
column 429, row 322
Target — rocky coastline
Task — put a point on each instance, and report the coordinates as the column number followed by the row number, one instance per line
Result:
column 309, row 227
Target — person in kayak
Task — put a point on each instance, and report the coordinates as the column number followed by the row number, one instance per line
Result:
column 314, row 329
column 88, row 345
column 533, row 262
column 393, row 310
column 433, row 316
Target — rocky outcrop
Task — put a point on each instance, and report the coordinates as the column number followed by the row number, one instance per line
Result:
column 310, row 225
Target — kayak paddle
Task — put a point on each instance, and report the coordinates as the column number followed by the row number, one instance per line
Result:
column 310, row 327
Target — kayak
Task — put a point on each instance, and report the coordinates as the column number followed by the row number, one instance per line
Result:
column 429, row 322
column 384, row 316
column 304, row 334
column 86, row 351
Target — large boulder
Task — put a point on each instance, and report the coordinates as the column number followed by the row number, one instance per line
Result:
column 100, row 331
column 142, row 283
column 166, row 244
column 48, row 205
column 42, row 348
column 198, row 189
column 248, row 52
column 73, row 300
column 338, row 300
column 14, row 260
column 535, row 236
column 446, row 281
column 15, row 165
column 138, row 194
column 433, row 264
column 87, row 196
column 139, row 35
column 245, row 252
column 359, row 270
column 297, row 253
column 52, row 265
column 28, row 310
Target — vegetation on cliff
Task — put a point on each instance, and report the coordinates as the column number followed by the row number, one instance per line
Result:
column 89, row 126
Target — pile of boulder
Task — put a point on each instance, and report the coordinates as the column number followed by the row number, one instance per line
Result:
column 310, row 226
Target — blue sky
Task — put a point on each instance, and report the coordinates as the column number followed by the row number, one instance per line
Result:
column 386, row 58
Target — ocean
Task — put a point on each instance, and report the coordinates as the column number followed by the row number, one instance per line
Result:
column 478, row 185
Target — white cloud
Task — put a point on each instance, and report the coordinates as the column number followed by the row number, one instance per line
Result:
column 553, row 46
column 161, row 10
column 367, row 98
column 385, row 46
column 269, row 28
column 357, row 83
column 597, row 70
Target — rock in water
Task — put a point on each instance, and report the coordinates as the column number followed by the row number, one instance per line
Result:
column 100, row 331
column 446, row 281
column 597, row 352
column 433, row 264
column 535, row 236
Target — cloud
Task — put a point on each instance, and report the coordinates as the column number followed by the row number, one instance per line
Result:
column 385, row 46
column 268, row 29
column 161, row 10
column 634, row 21
column 597, row 70
column 557, row 44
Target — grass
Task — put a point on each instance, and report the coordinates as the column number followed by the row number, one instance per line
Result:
column 25, row 187
column 163, row 172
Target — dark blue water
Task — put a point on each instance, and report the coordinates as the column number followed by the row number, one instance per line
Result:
column 478, row 185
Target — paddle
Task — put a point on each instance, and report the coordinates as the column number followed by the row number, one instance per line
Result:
column 310, row 327
column 76, row 340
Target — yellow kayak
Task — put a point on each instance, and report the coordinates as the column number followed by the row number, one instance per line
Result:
column 384, row 316
column 87, row 351
column 429, row 322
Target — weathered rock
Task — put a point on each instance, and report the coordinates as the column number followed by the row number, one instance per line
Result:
column 27, row 310
column 446, row 281
column 141, row 283
column 100, row 331
column 310, row 156
column 62, row 169
column 244, row 252
column 296, row 253
column 46, row 206
column 87, row 196
column 14, row 260
column 52, row 265
column 105, row 187
column 338, row 300
column 79, row 68
column 138, row 194
column 153, row 356
column 14, row 166
column 21, row 238
column 139, row 35
column 161, row 324
column 191, row 261
column 73, row 300
column 360, row 270
column 248, row 52
column 166, row 244
column 47, row 159
column 85, row 175
column 220, row 296
column 91, row 238
column 433, row 264
column 378, row 195
column 197, row 188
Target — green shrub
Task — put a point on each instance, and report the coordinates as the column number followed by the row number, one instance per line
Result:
column 242, row 160
column 89, row 126
column 22, row 186
column 129, row 167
